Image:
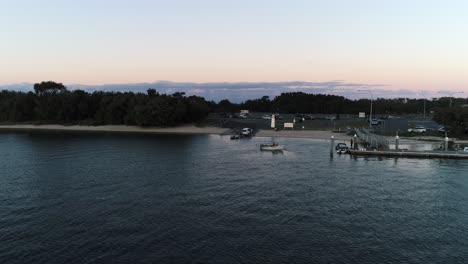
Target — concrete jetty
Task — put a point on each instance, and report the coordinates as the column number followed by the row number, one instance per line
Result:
column 414, row 154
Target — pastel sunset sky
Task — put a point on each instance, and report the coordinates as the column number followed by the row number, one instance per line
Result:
column 400, row 45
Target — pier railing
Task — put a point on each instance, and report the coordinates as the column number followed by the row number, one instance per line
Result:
column 375, row 141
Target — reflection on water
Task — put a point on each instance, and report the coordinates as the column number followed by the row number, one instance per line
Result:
column 82, row 198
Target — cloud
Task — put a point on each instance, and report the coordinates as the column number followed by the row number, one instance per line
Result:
column 196, row 91
column 241, row 91
column 23, row 87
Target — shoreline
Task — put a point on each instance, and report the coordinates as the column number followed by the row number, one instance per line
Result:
column 179, row 130
column 192, row 130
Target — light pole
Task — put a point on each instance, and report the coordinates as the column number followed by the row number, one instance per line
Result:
column 424, row 100
column 372, row 98
column 424, row 108
column 450, row 95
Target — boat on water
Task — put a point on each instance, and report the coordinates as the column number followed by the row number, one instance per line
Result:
column 341, row 148
column 271, row 147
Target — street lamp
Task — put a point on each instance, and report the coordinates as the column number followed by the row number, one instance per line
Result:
column 372, row 98
column 424, row 109
column 450, row 95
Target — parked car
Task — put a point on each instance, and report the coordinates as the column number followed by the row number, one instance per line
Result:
column 267, row 117
column 278, row 117
column 299, row 118
column 309, row 117
column 417, row 129
column 443, row 129
column 465, row 149
column 246, row 131
column 375, row 122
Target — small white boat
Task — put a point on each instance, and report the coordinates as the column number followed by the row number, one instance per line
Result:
column 343, row 151
column 271, row 147
column 341, row 148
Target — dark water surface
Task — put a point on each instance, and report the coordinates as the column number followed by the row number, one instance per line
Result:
column 106, row 198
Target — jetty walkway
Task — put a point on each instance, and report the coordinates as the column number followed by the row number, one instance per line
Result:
column 406, row 153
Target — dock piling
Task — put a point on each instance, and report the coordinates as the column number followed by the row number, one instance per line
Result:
column 332, row 143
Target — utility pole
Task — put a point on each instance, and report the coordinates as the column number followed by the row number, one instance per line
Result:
column 372, row 98
column 424, row 100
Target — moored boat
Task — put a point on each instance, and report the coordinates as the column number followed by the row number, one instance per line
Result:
column 271, row 147
column 341, row 148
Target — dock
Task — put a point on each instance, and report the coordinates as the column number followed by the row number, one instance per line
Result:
column 369, row 144
column 414, row 154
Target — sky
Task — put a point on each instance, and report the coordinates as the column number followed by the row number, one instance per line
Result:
column 390, row 46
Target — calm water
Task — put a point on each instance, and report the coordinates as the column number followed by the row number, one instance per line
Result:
column 97, row 198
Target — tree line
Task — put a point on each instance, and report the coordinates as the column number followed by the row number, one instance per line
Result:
column 454, row 119
column 299, row 102
column 52, row 103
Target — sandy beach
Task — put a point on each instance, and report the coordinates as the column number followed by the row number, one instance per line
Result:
column 191, row 129
column 118, row 128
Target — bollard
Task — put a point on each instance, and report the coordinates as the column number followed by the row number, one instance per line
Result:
column 397, row 138
column 446, row 143
column 332, row 143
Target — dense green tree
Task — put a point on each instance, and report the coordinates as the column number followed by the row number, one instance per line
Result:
column 455, row 119
column 226, row 106
column 152, row 92
column 52, row 103
column 260, row 105
column 48, row 87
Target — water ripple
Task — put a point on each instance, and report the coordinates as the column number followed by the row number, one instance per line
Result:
column 90, row 198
